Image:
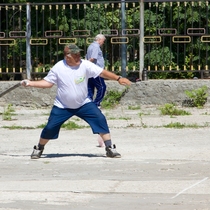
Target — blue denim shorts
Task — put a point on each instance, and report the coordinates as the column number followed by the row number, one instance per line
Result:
column 88, row 112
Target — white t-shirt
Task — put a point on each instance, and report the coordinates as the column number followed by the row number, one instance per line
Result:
column 72, row 83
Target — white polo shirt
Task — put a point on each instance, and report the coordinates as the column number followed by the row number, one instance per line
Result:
column 72, row 83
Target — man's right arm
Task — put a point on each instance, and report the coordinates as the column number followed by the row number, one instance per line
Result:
column 93, row 54
column 38, row 84
column 93, row 60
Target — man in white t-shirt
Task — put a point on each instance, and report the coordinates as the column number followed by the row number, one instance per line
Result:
column 71, row 77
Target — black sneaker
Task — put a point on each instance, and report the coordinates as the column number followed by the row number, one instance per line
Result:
column 111, row 152
column 36, row 154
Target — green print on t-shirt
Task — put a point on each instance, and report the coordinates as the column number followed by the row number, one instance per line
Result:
column 79, row 80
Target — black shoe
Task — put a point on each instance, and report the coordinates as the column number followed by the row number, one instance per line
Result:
column 111, row 152
column 36, row 154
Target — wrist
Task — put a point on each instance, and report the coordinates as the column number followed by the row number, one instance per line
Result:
column 119, row 78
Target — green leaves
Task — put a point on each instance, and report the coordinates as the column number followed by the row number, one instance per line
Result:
column 198, row 97
column 170, row 109
column 112, row 98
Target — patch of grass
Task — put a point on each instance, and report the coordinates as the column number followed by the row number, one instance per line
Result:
column 180, row 125
column 112, row 98
column 134, row 107
column 120, row 118
column 71, row 126
column 170, row 109
column 76, row 119
column 41, row 126
column 142, row 114
column 112, row 118
column 8, row 112
column 14, row 127
column 145, row 113
column 131, row 125
column 124, row 118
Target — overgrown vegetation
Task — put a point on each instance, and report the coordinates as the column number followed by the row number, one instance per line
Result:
column 181, row 125
column 197, row 97
column 112, row 98
column 8, row 112
column 170, row 109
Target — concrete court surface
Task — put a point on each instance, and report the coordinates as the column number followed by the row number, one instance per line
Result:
column 160, row 168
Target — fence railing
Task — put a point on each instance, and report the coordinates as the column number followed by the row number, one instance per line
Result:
column 175, row 35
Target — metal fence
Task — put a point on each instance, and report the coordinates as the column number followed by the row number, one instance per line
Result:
column 161, row 36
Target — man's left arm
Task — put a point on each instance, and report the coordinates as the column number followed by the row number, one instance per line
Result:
column 112, row 76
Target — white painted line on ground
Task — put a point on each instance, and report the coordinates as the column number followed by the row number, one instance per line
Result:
column 189, row 187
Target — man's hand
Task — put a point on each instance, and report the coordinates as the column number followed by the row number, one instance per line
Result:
column 25, row 82
column 124, row 81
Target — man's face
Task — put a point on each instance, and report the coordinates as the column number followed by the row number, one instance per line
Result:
column 72, row 59
column 101, row 41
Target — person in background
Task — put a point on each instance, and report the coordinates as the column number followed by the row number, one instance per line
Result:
column 95, row 55
column 71, row 75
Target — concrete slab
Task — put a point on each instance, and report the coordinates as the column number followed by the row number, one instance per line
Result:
column 160, row 168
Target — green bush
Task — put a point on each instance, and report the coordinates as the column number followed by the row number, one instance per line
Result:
column 112, row 98
column 198, row 97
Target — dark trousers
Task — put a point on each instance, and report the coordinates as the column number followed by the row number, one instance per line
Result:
column 88, row 112
column 97, row 83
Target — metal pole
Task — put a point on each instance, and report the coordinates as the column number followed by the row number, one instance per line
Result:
column 141, row 38
column 28, row 46
column 123, row 46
